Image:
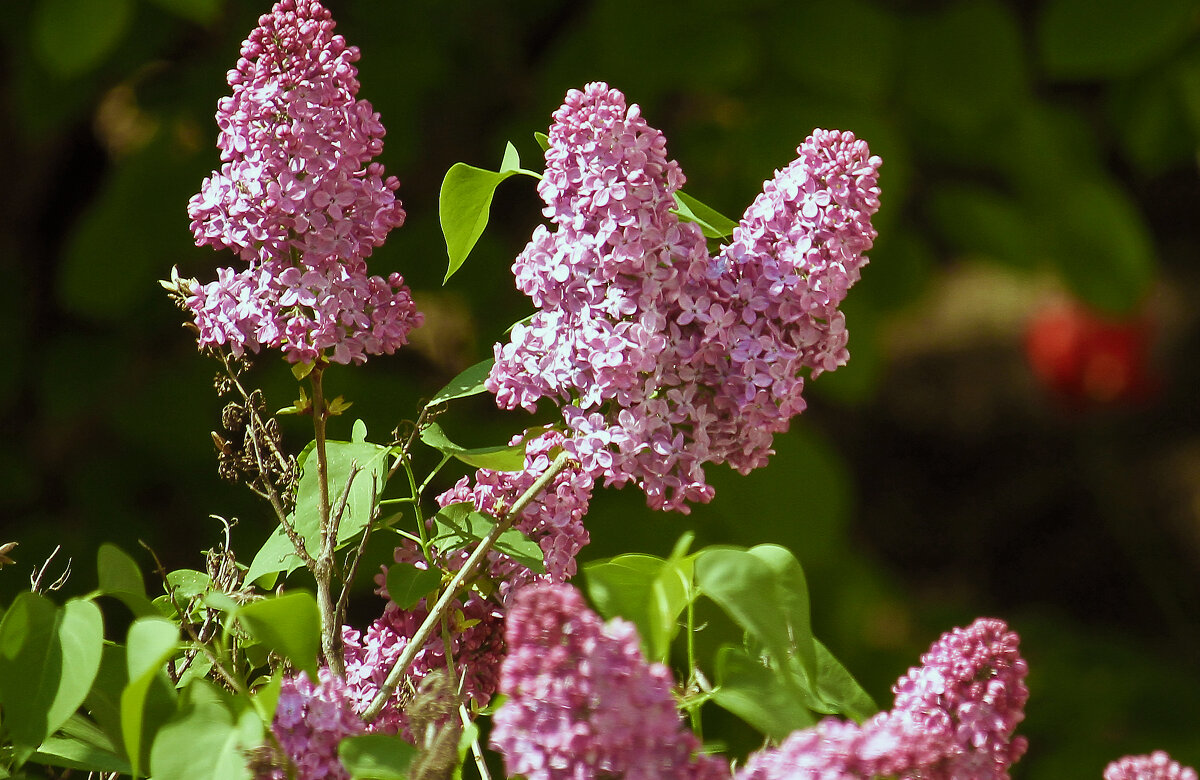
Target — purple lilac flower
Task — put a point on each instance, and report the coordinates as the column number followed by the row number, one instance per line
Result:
column 299, row 200
column 971, row 688
column 476, row 645
column 554, row 519
column 663, row 358
column 836, row 749
column 582, row 701
column 1156, row 766
column 310, row 721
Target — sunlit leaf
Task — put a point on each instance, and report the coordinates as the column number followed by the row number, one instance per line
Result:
column 408, row 584
column 712, row 223
column 468, row 383
column 205, row 740
column 459, row 527
column 376, row 757
column 151, row 642
column 289, row 624
column 753, row 692
column 504, row 457
column 646, row 590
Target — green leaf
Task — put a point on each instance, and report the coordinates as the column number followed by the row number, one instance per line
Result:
column 506, row 457
column 103, row 701
column 289, row 624
column 72, row 36
column 121, row 578
column 151, row 642
column 48, row 660
column 543, row 140
column 358, row 434
column 407, row 584
column 512, row 160
column 74, row 754
column 459, row 527
column 376, row 757
column 712, row 223
column 764, row 591
column 839, row 688
column 752, row 691
column 1101, row 245
column 277, row 554
column 189, row 583
column 205, row 739
column 1097, row 39
column 646, row 590
column 463, row 207
column 468, row 383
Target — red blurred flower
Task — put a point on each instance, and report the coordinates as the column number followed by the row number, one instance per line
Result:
column 1089, row 358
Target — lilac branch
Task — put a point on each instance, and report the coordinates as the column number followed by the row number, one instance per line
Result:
column 439, row 609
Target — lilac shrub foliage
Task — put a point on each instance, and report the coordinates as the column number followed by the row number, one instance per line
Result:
column 300, row 202
column 662, row 356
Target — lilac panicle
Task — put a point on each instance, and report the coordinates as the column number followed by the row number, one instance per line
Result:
column 953, row 719
column 582, row 701
column 310, row 721
column 662, row 357
column 554, row 520
column 970, row 688
column 836, row 749
column 1156, row 766
column 299, row 199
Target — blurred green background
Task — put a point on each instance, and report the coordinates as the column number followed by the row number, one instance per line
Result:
column 1038, row 156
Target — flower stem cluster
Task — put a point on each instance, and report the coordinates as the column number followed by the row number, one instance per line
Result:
column 662, row 356
column 299, row 199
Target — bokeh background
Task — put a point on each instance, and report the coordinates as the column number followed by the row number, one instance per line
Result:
column 1016, row 434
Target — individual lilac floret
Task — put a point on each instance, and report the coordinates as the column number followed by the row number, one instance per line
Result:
column 835, row 749
column 310, row 721
column 663, row 358
column 299, row 200
column 971, row 688
column 583, row 702
column 1156, row 766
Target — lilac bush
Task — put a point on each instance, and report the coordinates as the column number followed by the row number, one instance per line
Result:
column 661, row 354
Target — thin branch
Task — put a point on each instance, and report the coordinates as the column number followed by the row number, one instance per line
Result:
column 35, row 577
column 418, row 640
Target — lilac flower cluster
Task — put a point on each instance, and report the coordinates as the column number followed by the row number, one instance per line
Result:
column 299, row 200
column 476, row 645
column 881, row 747
column 663, row 357
column 310, row 721
column 554, row 520
column 583, row 702
column 971, row 690
column 1156, row 766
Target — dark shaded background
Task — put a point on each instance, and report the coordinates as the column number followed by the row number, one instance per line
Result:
column 1034, row 152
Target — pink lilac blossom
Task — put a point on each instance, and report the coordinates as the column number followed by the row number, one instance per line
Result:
column 970, row 688
column 662, row 357
column 582, row 701
column 953, row 719
column 1156, row 766
column 554, row 520
column 299, row 199
column 843, row 750
column 310, row 721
